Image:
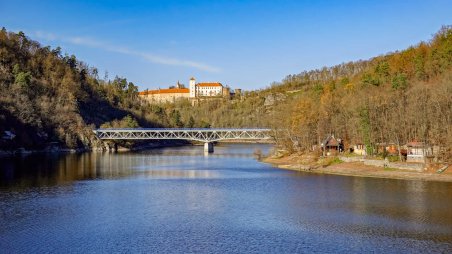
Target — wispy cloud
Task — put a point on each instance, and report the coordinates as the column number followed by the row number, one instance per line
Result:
column 45, row 36
column 156, row 59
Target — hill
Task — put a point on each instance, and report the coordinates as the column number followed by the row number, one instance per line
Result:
column 50, row 99
column 396, row 98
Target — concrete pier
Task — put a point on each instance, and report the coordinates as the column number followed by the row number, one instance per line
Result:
column 208, row 147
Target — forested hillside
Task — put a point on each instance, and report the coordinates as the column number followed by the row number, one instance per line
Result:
column 394, row 98
column 50, row 98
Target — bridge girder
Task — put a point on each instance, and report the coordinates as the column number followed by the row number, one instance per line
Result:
column 202, row 135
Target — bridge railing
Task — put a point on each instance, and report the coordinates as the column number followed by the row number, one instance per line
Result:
column 183, row 129
column 196, row 134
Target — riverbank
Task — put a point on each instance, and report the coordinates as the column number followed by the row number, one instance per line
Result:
column 336, row 167
column 23, row 151
column 104, row 148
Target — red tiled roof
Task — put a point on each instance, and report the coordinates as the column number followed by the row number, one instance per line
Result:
column 210, row 84
column 160, row 91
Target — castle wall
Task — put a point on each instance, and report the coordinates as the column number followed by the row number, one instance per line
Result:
column 159, row 98
column 200, row 90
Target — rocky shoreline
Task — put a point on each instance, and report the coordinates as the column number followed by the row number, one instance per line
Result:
column 360, row 169
column 23, row 151
column 104, row 148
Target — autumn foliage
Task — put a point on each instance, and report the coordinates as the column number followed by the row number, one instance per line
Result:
column 394, row 98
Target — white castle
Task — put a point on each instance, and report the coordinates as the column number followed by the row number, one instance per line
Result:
column 195, row 91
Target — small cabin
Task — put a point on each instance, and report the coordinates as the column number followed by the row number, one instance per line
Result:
column 359, row 148
column 417, row 151
column 332, row 144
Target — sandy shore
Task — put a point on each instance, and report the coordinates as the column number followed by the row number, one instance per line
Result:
column 361, row 170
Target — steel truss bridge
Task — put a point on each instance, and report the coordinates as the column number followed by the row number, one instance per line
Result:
column 206, row 135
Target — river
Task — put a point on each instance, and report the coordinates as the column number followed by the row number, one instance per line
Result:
column 179, row 200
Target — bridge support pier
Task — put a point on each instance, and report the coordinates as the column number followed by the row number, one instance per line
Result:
column 208, row 147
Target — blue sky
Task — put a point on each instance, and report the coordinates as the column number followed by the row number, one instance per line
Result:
column 243, row 44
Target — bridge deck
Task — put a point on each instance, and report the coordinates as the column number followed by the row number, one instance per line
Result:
column 196, row 134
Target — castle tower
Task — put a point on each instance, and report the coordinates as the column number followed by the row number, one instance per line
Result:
column 192, row 86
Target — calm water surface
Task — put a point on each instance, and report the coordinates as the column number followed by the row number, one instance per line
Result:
column 178, row 200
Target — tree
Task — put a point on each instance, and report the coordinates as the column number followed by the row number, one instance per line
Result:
column 23, row 80
column 190, row 123
column 399, row 81
column 176, row 119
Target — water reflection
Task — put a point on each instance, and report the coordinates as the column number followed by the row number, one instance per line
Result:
column 48, row 170
column 181, row 174
column 403, row 207
column 178, row 200
column 55, row 169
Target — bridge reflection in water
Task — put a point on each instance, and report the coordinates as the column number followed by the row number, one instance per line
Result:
column 55, row 169
column 206, row 135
